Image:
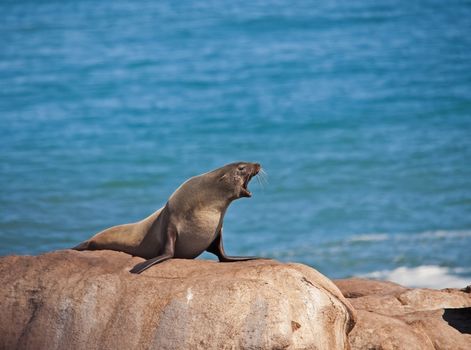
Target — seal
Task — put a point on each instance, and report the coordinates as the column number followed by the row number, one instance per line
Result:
column 187, row 225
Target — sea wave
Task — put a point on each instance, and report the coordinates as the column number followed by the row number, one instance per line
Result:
column 370, row 237
column 425, row 276
column 426, row 235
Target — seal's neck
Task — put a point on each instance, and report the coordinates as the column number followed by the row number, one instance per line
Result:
column 220, row 204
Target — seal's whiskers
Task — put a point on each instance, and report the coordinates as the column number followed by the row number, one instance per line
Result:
column 263, row 176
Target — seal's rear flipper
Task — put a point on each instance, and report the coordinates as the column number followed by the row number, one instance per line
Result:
column 81, row 246
column 148, row 263
column 169, row 251
column 238, row 258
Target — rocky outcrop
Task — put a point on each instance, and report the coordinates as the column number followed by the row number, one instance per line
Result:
column 391, row 316
column 89, row 300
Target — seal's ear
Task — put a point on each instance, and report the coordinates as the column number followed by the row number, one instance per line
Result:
column 222, row 177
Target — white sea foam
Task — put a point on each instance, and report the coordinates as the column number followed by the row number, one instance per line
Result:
column 426, row 276
column 371, row 237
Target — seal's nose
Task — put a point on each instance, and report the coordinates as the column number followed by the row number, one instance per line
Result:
column 257, row 167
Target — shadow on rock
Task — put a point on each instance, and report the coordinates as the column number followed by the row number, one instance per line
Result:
column 460, row 319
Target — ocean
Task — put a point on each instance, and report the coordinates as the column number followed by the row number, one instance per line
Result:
column 360, row 113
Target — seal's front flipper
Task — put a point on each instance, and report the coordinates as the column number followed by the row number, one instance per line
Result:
column 169, row 251
column 217, row 248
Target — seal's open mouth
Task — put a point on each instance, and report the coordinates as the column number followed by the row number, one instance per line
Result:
column 245, row 190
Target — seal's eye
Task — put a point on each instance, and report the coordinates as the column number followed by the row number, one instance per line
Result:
column 241, row 167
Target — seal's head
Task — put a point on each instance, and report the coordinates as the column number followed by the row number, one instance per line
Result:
column 235, row 177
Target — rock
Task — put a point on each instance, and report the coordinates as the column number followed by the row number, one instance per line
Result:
column 375, row 331
column 89, row 300
column 360, row 287
column 394, row 317
column 466, row 289
column 430, row 299
column 436, row 325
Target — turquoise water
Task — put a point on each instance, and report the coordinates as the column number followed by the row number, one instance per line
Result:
column 360, row 112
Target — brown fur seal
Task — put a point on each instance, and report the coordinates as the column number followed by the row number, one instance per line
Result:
column 188, row 224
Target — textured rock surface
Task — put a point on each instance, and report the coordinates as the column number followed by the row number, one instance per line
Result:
column 394, row 317
column 89, row 300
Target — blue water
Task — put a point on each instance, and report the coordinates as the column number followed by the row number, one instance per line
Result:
column 360, row 112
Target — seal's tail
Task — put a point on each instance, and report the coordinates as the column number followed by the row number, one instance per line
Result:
column 81, row 246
